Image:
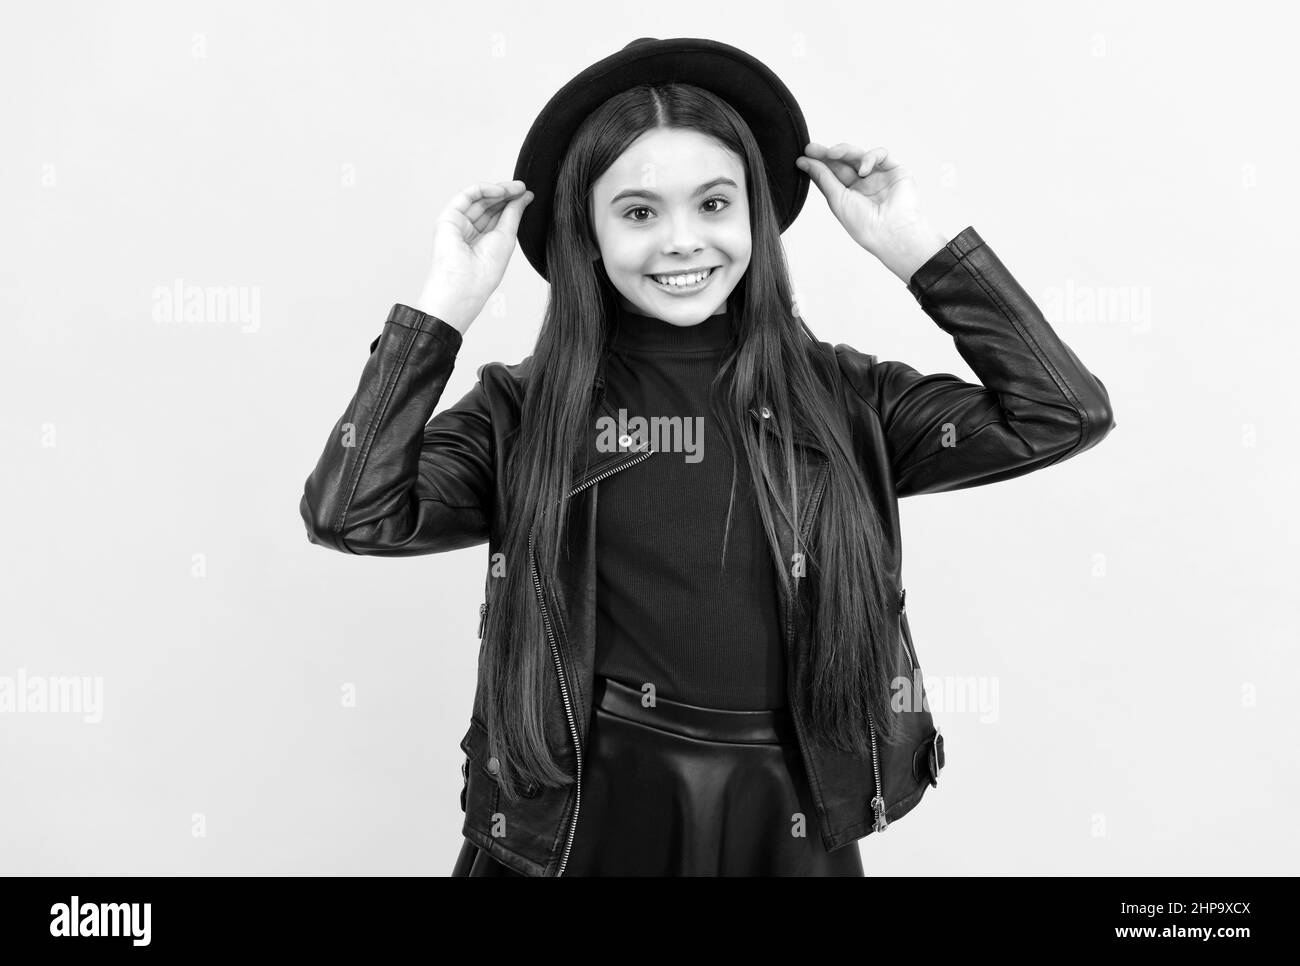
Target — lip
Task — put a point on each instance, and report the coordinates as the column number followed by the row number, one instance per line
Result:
column 681, row 291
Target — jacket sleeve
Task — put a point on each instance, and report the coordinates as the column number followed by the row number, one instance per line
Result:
column 391, row 481
column 1037, row 404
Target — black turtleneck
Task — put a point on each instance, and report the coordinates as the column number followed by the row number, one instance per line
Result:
column 668, row 612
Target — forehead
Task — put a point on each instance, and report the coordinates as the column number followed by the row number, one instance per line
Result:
column 670, row 161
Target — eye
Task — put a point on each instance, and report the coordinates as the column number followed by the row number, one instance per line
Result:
column 722, row 198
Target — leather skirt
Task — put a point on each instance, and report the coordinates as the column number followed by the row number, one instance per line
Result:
column 682, row 790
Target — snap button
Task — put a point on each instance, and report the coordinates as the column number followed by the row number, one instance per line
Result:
column 493, row 766
column 625, row 440
column 765, row 413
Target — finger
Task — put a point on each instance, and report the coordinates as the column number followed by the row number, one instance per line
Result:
column 493, row 218
column 844, row 160
column 512, row 212
column 468, row 196
column 452, row 219
column 473, row 199
column 888, row 162
column 845, row 173
column 487, row 220
column 821, row 176
column 494, row 195
column 853, row 157
column 491, row 213
column 849, row 154
column 877, row 159
column 472, row 228
column 453, row 216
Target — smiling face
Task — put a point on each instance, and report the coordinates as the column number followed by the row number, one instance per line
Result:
column 674, row 202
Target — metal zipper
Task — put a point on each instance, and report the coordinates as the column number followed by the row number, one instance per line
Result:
column 902, row 637
column 559, row 664
column 482, row 618
column 878, row 801
column 881, row 823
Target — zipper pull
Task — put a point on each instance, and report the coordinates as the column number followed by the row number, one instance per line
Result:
column 878, row 806
column 902, row 600
column 482, row 618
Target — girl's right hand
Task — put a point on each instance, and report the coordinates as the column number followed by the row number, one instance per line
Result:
column 472, row 244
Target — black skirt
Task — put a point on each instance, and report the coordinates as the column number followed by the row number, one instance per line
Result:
column 678, row 789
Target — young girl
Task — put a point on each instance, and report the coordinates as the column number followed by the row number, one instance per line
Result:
column 693, row 634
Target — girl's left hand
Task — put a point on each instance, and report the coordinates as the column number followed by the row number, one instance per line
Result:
column 870, row 192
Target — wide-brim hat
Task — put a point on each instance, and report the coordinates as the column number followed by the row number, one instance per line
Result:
column 743, row 81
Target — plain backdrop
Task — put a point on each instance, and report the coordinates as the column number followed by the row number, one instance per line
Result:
column 1109, row 644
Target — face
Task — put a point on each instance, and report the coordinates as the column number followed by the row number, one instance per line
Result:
column 674, row 202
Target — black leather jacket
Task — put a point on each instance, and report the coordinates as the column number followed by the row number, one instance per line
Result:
column 393, row 482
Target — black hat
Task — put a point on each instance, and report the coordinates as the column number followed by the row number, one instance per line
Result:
column 743, row 81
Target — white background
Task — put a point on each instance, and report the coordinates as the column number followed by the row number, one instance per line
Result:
column 1134, row 607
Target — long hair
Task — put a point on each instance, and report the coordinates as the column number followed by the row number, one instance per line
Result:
column 845, row 671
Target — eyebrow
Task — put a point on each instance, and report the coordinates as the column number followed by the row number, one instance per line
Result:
column 642, row 193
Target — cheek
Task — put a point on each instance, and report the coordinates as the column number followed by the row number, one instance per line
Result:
column 739, row 255
column 737, row 243
column 626, row 255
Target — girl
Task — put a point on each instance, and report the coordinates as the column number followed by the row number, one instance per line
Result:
column 692, row 628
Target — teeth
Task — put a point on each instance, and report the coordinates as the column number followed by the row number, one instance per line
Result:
column 682, row 279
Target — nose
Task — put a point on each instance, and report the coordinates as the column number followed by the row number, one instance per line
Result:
column 683, row 238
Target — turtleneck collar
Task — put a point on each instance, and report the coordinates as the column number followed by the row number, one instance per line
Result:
column 644, row 333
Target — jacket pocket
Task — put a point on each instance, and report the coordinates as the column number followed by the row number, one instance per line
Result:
column 480, row 794
column 481, row 791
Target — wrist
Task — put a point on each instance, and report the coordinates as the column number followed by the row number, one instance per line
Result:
column 457, row 311
column 906, row 250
